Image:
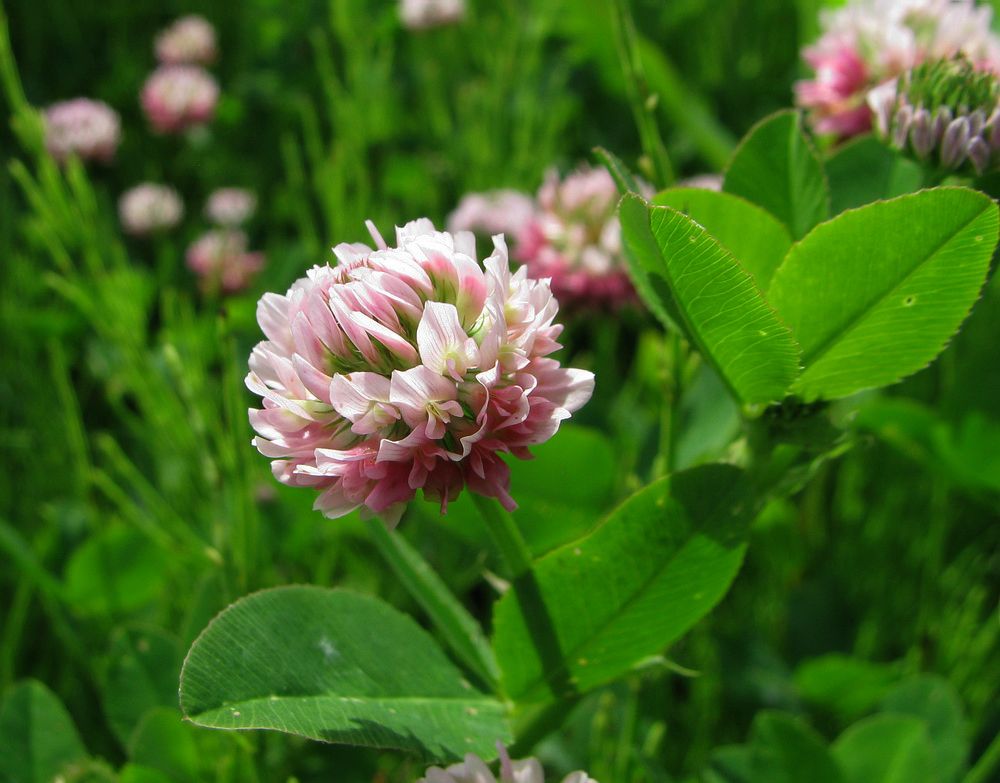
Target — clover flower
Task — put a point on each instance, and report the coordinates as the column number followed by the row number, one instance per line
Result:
column 189, row 40
column 221, row 260
column 424, row 14
column 408, row 368
column 178, row 97
column 493, row 212
column 574, row 238
column 147, row 208
column 868, row 42
column 944, row 113
column 230, row 207
column 88, row 129
column 473, row 770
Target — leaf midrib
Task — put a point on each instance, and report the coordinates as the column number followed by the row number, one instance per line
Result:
column 831, row 342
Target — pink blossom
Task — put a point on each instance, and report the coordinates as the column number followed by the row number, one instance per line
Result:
column 409, row 367
column 868, row 42
column 474, row 770
column 230, row 207
column 178, row 97
column 494, row 212
column 574, row 238
column 88, row 129
column 189, row 40
column 148, row 208
column 424, row 14
column 221, row 260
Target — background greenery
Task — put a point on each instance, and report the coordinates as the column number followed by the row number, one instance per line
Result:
column 133, row 509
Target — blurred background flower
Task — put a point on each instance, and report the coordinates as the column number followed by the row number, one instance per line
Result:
column 189, row 40
column 149, row 207
column 423, row 14
column 230, row 207
column 178, row 97
column 83, row 127
column 220, row 258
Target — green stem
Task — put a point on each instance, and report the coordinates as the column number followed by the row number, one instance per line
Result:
column 457, row 627
column 536, row 724
column 670, row 413
column 506, row 535
column 987, row 764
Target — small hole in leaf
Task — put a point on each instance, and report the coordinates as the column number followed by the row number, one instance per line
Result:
column 692, row 239
column 909, row 301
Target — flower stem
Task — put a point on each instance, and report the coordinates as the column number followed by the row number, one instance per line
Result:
column 457, row 627
column 505, row 534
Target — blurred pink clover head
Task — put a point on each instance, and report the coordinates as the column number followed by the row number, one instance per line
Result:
column 866, row 43
column 409, row 368
column 89, row 129
column 574, row 239
column 230, row 207
column 221, row 260
column 176, row 98
column 190, row 40
column 148, row 208
column 425, row 14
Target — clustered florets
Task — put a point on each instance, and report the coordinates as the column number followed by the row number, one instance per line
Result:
column 473, row 770
column 88, row 129
column 409, row 368
column 868, row 42
column 222, row 262
column 148, row 208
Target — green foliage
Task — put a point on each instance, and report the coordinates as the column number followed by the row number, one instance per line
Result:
column 874, row 294
column 776, row 167
column 335, row 666
column 713, row 300
column 38, row 740
column 595, row 608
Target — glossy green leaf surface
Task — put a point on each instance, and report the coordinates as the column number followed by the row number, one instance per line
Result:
column 595, row 608
column 886, row 749
column 713, row 300
column 37, row 735
column 336, row 666
column 753, row 236
column 874, row 294
column 776, row 167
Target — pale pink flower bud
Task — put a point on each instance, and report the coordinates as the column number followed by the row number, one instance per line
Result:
column 221, row 260
column 178, row 97
column 189, row 40
column 409, row 368
column 88, row 129
column 424, row 14
column 474, row 770
column 148, row 208
column 230, row 207
column 574, row 238
column 494, row 212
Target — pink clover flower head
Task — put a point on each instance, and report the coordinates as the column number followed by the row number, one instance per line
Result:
column 230, row 207
column 574, row 239
column 493, row 212
column 178, row 97
column 405, row 368
column 868, row 42
column 474, row 770
column 189, row 40
column 424, row 14
column 148, row 208
column 220, row 258
column 91, row 130
column 703, row 182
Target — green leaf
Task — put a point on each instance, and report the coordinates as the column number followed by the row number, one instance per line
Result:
column 848, row 687
column 163, row 741
column 874, row 294
column 335, row 666
column 593, row 609
column 886, row 749
column 785, row 750
column 620, row 173
column 865, row 170
column 776, row 167
column 136, row 773
column 751, row 234
column 37, row 736
column 143, row 669
column 713, row 300
column 118, row 570
column 934, row 699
